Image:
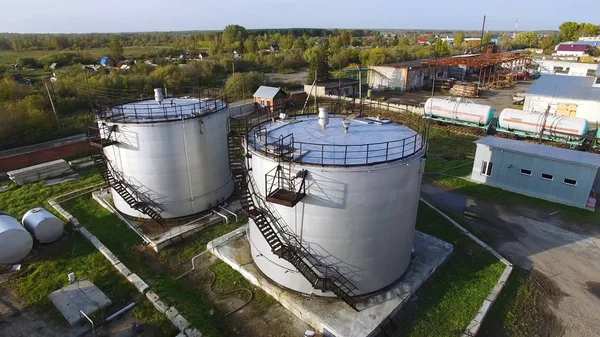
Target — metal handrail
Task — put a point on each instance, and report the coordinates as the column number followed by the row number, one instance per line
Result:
column 357, row 154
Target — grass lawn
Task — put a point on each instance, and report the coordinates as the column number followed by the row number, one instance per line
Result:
column 10, row 57
column 46, row 269
column 183, row 293
column 447, row 303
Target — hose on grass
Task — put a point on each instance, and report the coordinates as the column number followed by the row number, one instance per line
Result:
column 227, row 294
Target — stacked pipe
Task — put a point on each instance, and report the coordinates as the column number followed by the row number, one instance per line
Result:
column 39, row 172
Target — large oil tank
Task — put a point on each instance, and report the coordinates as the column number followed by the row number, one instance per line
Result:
column 531, row 123
column 171, row 152
column 15, row 241
column 43, row 225
column 459, row 109
column 360, row 205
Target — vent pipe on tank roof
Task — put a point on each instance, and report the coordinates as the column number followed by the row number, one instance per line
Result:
column 346, row 124
column 323, row 117
column 158, row 95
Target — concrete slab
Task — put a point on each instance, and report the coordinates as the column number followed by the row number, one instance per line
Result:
column 81, row 295
column 138, row 283
column 180, row 322
column 333, row 315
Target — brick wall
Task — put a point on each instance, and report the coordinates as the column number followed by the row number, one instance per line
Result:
column 17, row 161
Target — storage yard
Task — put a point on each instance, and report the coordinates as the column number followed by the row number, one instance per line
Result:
column 209, row 216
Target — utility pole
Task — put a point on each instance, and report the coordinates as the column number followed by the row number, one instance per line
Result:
column 52, row 103
column 482, row 31
column 316, row 82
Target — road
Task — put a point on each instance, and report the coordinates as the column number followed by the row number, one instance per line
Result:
column 568, row 256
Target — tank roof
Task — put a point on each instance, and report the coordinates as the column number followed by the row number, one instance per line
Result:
column 368, row 141
column 147, row 111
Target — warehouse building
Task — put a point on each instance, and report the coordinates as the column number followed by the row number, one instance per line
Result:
column 574, row 96
column 560, row 175
column 404, row 75
column 566, row 67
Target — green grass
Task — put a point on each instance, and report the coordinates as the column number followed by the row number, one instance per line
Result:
column 47, row 268
column 185, row 294
column 11, row 57
column 446, row 304
column 19, row 199
column 448, row 151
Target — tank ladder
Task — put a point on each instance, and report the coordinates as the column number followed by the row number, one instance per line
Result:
column 284, row 244
column 114, row 180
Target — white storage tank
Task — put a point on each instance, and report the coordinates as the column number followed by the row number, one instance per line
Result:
column 15, row 241
column 531, row 123
column 459, row 109
column 43, row 225
column 359, row 210
column 173, row 154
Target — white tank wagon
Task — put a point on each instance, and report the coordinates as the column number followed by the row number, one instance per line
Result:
column 531, row 124
column 355, row 211
column 170, row 153
column 43, row 225
column 459, row 111
column 15, row 241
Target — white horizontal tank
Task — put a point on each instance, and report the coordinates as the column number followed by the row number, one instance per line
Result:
column 43, row 225
column 554, row 125
column 459, row 109
column 173, row 154
column 15, row 241
column 362, row 196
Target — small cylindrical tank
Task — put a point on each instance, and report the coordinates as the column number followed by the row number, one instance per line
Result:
column 158, row 95
column 15, row 241
column 459, row 109
column 556, row 126
column 43, row 225
column 323, row 117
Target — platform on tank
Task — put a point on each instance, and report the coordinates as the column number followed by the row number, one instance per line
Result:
column 333, row 315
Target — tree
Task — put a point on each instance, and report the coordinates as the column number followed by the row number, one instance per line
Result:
column 345, row 38
column 487, row 38
column 459, row 38
column 596, row 52
column 116, row 48
column 441, row 48
column 242, row 85
column 251, row 45
column 504, row 42
column 318, row 63
column 589, row 29
column 548, row 42
column 233, row 34
column 569, row 31
column 526, row 39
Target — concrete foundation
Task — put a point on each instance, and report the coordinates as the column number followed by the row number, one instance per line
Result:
column 159, row 237
column 333, row 317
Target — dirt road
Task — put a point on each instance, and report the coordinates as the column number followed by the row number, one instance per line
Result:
column 567, row 255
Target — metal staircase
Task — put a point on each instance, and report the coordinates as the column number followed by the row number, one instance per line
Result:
column 114, row 180
column 283, row 243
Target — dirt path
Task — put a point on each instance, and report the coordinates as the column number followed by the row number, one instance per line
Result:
column 568, row 256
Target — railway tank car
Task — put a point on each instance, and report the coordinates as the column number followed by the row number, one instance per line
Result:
column 459, row 111
column 561, row 129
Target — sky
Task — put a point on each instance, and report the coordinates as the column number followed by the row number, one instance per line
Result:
column 85, row 16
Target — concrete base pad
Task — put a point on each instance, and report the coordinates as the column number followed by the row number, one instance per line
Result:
column 177, row 230
column 81, row 295
column 333, row 316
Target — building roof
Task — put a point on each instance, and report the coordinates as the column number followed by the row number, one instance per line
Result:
column 268, row 92
column 559, row 86
column 406, row 64
column 572, row 47
column 344, row 82
column 544, row 151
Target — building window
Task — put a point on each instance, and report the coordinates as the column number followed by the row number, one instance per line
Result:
column 570, row 182
column 547, row 176
column 591, row 72
column 262, row 102
column 525, row 172
column 486, row 168
column 561, row 70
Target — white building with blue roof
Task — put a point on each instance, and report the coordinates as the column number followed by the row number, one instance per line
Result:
column 574, row 96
